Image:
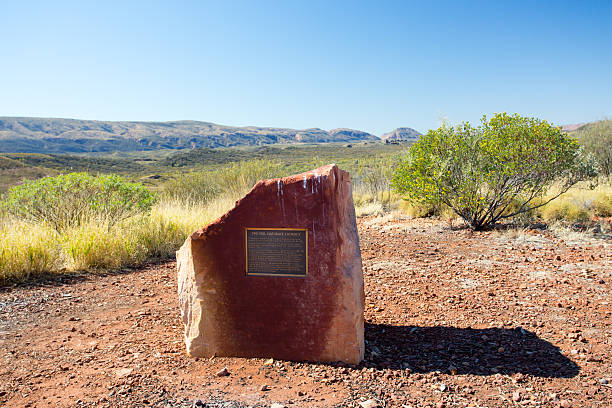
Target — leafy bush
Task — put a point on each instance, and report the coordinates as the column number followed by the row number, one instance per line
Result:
column 72, row 199
column 480, row 172
column 597, row 139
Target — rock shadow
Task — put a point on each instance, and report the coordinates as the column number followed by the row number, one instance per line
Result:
column 464, row 351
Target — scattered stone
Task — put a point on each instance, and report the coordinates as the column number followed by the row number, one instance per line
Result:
column 443, row 387
column 224, row 372
column 265, row 387
column 409, row 333
column 369, row 404
column 197, row 404
column 123, row 372
column 277, row 405
column 516, row 396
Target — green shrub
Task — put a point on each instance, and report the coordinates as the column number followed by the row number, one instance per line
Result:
column 480, row 172
column 69, row 200
column 597, row 139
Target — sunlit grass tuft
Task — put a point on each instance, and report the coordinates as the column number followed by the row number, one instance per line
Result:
column 579, row 204
column 27, row 250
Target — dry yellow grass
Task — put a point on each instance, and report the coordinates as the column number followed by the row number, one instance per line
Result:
column 27, row 250
column 579, row 204
column 30, row 249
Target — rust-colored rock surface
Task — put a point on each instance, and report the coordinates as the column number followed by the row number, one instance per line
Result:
column 316, row 317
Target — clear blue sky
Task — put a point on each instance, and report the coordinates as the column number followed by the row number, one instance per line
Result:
column 372, row 65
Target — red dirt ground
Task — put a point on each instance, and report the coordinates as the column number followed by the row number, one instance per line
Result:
column 453, row 318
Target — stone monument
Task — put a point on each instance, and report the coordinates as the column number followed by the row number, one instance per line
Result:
column 279, row 275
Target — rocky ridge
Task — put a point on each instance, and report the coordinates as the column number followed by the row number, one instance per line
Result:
column 53, row 135
column 401, row 134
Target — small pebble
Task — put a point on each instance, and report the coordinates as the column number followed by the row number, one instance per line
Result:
column 224, row 372
column 369, row 404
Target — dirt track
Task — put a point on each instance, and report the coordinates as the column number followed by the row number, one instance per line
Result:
column 453, row 318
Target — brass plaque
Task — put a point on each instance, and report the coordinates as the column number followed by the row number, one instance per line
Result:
column 277, row 251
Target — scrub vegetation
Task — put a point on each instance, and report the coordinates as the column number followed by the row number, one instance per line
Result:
column 95, row 220
column 596, row 138
column 498, row 170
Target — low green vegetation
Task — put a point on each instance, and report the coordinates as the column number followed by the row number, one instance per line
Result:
column 73, row 199
column 78, row 221
column 596, row 138
column 31, row 248
column 98, row 221
column 232, row 180
column 154, row 168
column 498, row 170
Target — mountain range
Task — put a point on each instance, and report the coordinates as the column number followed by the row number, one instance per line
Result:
column 54, row 135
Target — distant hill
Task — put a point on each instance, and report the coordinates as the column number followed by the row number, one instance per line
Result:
column 571, row 128
column 351, row 135
column 401, row 134
column 42, row 135
column 14, row 172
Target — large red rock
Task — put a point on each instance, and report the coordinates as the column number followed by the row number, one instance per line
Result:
column 316, row 317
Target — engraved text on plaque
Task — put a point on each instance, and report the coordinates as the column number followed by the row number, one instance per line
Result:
column 276, row 252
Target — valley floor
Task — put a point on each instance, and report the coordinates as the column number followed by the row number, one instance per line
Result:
column 453, row 318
